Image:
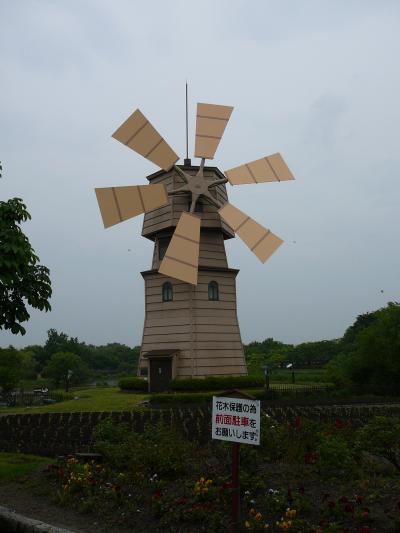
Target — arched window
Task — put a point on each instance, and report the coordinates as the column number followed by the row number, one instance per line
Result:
column 167, row 294
column 213, row 292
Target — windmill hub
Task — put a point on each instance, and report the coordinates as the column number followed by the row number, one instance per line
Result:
column 197, row 186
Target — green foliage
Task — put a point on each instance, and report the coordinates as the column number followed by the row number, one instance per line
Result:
column 157, row 450
column 314, row 353
column 374, row 362
column 337, row 371
column 11, row 368
column 381, row 437
column 349, row 339
column 113, row 357
column 63, row 363
column 274, row 354
column 217, row 383
column 22, row 280
column 335, row 456
column 134, row 384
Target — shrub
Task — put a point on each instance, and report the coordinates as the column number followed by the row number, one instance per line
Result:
column 335, row 457
column 135, row 384
column 217, row 383
column 381, row 436
column 158, row 451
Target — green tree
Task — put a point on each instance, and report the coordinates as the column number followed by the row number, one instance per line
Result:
column 11, row 368
column 315, row 353
column 372, row 357
column 22, row 279
column 349, row 339
column 65, row 368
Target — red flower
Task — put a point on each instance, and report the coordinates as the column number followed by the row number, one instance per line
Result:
column 359, row 499
column 301, row 489
column 339, row 424
column 297, row 422
column 343, row 499
column 310, row 458
column 157, row 495
column 331, row 504
column 365, row 529
column 181, row 501
column 349, row 508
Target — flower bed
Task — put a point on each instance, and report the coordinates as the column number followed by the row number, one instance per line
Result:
column 306, row 475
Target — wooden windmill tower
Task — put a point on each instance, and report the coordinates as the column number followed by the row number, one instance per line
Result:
column 191, row 327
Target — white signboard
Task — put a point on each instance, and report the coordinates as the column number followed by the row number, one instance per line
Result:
column 236, row 420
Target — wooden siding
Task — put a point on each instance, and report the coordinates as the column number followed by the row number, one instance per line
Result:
column 205, row 332
column 166, row 218
column 211, row 252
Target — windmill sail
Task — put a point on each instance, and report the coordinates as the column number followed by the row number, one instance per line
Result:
column 181, row 259
column 261, row 241
column 270, row 168
column 211, row 121
column 121, row 203
column 140, row 135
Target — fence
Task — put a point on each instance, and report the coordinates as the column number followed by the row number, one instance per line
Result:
column 25, row 399
column 294, row 387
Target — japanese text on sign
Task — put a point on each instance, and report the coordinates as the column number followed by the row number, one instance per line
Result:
column 236, row 420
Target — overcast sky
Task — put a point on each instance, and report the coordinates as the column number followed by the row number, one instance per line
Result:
column 318, row 81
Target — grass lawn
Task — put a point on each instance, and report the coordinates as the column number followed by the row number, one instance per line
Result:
column 95, row 399
column 112, row 399
column 15, row 465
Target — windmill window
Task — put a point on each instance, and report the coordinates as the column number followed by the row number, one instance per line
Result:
column 199, row 207
column 167, row 293
column 213, row 291
column 163, row 243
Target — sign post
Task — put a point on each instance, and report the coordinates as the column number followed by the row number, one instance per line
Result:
column 236, row 418
column 266, row 375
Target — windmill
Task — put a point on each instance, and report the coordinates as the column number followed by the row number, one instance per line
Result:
column 188, row 216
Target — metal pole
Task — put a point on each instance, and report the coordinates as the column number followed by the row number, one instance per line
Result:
column 187, row 124
column 235, row 525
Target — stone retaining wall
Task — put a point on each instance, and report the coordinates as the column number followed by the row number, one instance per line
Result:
column 51, row 434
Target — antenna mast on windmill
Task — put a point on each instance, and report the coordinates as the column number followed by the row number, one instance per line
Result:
column 191, row 327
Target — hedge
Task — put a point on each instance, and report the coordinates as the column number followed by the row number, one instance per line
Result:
column 217, row 383
column 179, row 398
column 134, row 384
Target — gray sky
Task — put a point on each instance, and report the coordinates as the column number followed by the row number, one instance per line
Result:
column 318, row 81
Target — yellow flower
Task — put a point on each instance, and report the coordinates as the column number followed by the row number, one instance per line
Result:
column 247, row 524
column 252, row 511
column 258, row 517
column 266, row 526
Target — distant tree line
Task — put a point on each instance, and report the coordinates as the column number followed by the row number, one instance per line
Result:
column 367, row 357
column 63, row 358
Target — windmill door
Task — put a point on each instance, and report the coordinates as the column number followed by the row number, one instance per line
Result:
column 160, row 374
